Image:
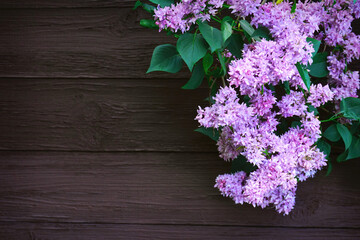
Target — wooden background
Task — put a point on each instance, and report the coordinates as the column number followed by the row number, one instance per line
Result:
column 92, row 148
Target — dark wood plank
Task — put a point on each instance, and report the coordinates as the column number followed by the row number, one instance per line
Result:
column 158, row 188
column 66, row 3
column 105, row 42
column 100, row 115
column 22, row 231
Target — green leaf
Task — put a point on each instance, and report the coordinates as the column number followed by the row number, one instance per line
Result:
column 162, row 3
column 261, row 32
column 210, row 132
column 293, row 7
column 137, row 4
column 287, row 87
column 208, row 60
column 345, row 134
column 226, row 30
column 316, row 44
column 295, row 124
column 146, row 7
column 212, row 35
column 350, row 107
column 324, row 147
column 241, row 164
column 304, row 75
column 165, row 58
column 354, row 128
column 342, row 157
column 332, row 133
column 245, row 25
column 149, row 23
column 311, row 108
column 329, row 169
column 235, row 45
column 319, row 66
column 221, row 60
column 196, row 78
column 354, row 150
column 192, row 47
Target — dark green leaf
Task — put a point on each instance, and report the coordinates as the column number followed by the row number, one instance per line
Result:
column 226, row 30
column 192, row 47
column 354, row 128
column 311, row 108
column 319, row 66
column 137, row 4
column 329, row 168
column 221, row 60
column 241, row 164
column 149, row 23
column 165, row 58
column 246, row 26
column 342, row 156
column 248, row 29
column 287, row 87
column 294, row 124
column 210, row 132
column 208, row 60
column 235, row 45
column 162, row 3
column 212, row 36
column 354, row 150
column 350, row 107
column 345, row 134
column 196, row 78
column 304, row 75
column 293, row 8
column 332, row 133
column 146, row 7
column 316, row 44
column 324, row 147
column 261, row 32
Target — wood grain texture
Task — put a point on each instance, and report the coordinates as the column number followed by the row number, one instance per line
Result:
column 66, row 3
column 100, row 115
column 26, row 231
column 105, row 42
column 158, row 188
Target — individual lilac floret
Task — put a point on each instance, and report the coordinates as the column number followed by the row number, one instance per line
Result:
column 263, row 102
column 319, row 95
column 227, row 111
column 352, row 47
column 226, row 147
column 347, row 85
column 231, row 185
column 336, row 65
column 243, row 8
column 292, row 104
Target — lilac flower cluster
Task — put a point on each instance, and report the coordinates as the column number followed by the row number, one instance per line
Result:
column 251, row 129
column 282, row 160
column 182, row 15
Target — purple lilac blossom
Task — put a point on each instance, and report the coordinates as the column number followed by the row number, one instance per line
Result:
column 319, row 95
column 250, row 129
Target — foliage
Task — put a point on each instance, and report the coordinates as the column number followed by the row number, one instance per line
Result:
column 282, row 98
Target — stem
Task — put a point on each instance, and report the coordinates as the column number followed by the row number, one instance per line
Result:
column 215, row 19
column 211, row 86
column 333, row 118
column 223, row 81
